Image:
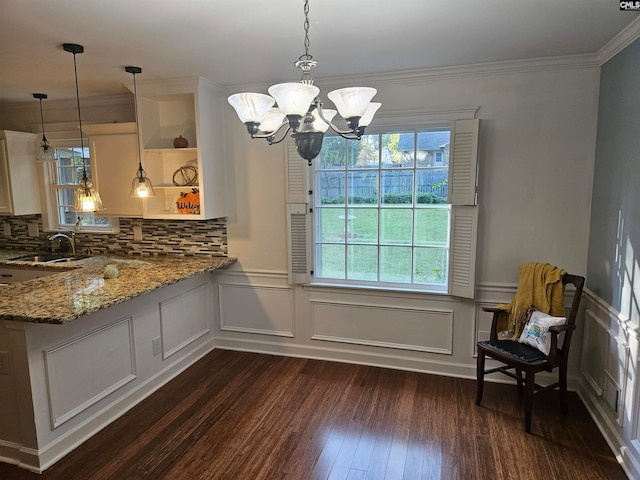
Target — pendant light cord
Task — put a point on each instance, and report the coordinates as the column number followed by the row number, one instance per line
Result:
column 135, row 109
column 84, row 167
column 44, row 139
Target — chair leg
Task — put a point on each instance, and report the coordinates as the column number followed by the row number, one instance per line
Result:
column 528, row 400
column 564, row 404
column 479, row 377
column 520, row 383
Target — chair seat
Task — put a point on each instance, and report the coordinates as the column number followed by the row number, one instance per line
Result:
column 520, row 351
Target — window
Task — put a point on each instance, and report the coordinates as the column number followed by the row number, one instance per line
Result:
column 379, row 213
column 61, row 179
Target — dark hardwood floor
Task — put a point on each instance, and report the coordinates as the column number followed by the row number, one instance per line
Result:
column 244, row 416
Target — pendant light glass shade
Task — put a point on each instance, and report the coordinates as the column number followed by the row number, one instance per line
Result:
column 87, row 199
column 251, row 107
column 294, row 98
column 352, row 102
column 45, row 153
column 141, row 186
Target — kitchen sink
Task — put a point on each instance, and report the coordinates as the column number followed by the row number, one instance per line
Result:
column 49, row 258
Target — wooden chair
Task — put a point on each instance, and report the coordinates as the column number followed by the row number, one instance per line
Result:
column 524, row 358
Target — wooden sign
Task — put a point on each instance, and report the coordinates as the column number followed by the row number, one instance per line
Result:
column 189, row 202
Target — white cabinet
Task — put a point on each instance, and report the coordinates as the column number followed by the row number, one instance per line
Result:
column 114, row 160
column 192, row 108
column 19, row 184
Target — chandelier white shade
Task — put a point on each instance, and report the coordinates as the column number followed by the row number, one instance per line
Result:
column 272, row 120
column 293, row 98
column 296, row 107
column 251, row 107
column 371, row 110
column 352, row 102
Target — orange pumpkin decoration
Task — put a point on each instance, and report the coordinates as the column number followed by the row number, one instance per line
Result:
column 189, row 202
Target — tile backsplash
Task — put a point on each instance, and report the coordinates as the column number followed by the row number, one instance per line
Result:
column 159, row 237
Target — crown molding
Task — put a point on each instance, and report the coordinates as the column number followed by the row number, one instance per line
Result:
column 622, row 40
column 439, row 73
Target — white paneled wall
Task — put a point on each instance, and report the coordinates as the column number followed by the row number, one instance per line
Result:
column 610, row 386
column 66, row 382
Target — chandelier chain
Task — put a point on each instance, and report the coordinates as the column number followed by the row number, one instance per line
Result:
column 306, row 30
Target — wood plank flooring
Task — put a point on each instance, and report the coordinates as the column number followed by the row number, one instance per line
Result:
column 244, row 416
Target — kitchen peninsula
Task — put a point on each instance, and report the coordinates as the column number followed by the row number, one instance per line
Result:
column 78, row 350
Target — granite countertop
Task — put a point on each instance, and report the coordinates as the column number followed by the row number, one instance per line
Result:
column 80, row 289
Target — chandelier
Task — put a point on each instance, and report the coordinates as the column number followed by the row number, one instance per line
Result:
column 300, row 111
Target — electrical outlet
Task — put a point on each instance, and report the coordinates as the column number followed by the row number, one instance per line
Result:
column 137, row 234
column 33, row 230
column 6, row 229
column 157, row 346
column 5, row 369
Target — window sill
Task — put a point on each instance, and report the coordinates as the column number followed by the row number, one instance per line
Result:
column 378, row 290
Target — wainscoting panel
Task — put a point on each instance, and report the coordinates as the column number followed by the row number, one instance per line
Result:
column 594, row 351
column 262, row 309
column 86, row 369
column 424, row 330
column 610, row 387
column 184, row 318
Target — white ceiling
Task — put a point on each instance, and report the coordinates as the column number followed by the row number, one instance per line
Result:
column 252, row 42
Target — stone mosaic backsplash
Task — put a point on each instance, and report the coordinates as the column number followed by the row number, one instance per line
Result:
column 159, row 237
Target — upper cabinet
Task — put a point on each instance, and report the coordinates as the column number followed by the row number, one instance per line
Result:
column 189, row 180
column 114, row 162
column 19, row 183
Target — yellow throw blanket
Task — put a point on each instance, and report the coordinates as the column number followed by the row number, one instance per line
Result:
column 540, row 285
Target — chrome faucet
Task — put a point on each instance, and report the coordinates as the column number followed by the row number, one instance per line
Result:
column 71, row 239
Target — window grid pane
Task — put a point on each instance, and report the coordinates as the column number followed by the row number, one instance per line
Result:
column 68, row 173
column 381, row 214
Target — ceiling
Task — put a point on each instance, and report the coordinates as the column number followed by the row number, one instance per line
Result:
column 254, row 42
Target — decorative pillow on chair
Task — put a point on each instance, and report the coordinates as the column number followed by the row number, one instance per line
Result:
column 536, row 331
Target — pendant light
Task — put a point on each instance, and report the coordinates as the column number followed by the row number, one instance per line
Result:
column 141, row 185
column 300, row 111
column 87, row 199
column 46, row 153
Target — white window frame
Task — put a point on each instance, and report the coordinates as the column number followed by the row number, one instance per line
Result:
column 462, row 190
column 62, row 136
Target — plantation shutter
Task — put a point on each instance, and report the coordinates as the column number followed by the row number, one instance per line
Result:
column 463, row 162
column 464, row 234
column 298, row 217
column 463, row 167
